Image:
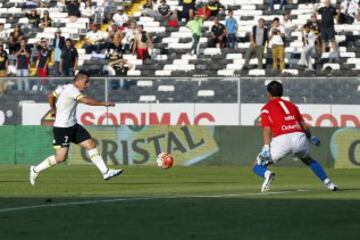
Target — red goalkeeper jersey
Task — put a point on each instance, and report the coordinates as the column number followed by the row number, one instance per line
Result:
column 281, row 116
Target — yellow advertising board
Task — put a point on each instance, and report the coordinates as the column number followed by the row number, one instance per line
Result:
column 132, row 145
column 345, row 148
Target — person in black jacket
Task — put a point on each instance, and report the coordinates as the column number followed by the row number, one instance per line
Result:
column 258, row 41
column 69, row 59
column 58, row 45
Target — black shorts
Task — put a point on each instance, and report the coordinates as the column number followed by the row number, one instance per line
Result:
column 75, row 134
column 327, row 34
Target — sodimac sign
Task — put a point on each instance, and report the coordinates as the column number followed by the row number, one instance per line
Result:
column 320, row 115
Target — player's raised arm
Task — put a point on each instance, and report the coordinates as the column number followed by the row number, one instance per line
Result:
column 93, row 102
column 81, row 83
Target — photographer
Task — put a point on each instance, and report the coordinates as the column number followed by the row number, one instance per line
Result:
column 277, row 44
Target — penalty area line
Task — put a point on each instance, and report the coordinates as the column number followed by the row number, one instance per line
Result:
column 115, row 200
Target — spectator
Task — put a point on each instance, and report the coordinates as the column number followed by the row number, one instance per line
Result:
column 214, row 6
column 45, row 21
column 258, row 41
column 116, row 44
column 42, row 63
column 188, row 7
column 3, row 33
column 73, row 9
column 58, row 45
column 129, row 38
column 4, row 64
column 327, row 30
column 119, row 68
column 69, row 59
column 231, row 29
column 142, row 43
column 218, row 34
column 203, row 11
column 120, row 17
column 34, row 18
column 288, row 25
column 349, row 9
column 94, row 40
column 314, row 25
column 23, row 65
column 271, row 5
column 149, row 10
column 276, row 39
column 16, row 34
column 195, row 27
column 164, row 10
column 87, row 9
column 308, row 38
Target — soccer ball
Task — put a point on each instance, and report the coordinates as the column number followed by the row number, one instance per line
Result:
column 164, row 160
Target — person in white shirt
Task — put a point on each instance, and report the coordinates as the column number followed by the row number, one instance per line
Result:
column 348, row 11
column 120, row 17
column 87, row 9
column 63, row 103
column 129, row 37
column 309, row 38
column 277, row 44
column 288, row 25
column 94, row 40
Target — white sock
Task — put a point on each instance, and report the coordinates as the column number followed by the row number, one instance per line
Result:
column 326, row 181
column 48, row 162
column 98, row 160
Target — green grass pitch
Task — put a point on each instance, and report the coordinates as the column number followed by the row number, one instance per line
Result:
column 73, row 202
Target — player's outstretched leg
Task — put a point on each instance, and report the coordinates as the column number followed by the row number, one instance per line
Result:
column 264, row 172
column 320, row 173
column 35, row 170
column 99, row 162
column 61, row 155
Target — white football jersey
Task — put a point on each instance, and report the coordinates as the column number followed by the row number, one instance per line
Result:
column 67, row 100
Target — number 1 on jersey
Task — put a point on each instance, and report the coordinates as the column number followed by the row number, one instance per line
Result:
column 282, row 104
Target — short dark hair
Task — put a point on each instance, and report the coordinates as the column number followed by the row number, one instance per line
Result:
column 80, row 74
column 276, row 19
column 275, row 89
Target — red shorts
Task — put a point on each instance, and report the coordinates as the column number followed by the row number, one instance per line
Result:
column 142, row 53
column 42, row 72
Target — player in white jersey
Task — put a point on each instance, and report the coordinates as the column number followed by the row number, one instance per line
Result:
column 63, row 102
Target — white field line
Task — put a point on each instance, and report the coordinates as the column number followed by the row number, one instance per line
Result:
column 114, row 200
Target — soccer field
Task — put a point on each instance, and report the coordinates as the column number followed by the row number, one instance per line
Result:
column 73, row 202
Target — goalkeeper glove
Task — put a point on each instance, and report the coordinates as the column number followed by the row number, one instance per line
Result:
column 264, row 157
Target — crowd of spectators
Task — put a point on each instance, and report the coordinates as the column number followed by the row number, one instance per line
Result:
column 126, row 36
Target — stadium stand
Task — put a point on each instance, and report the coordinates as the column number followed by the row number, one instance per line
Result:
column 170, row 54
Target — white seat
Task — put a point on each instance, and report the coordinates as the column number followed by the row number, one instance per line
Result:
column 226, row 72
column 291, row 71
column 206, row 93
column 212, row 51
column 162, row 72
column 166, row 88
column 147, row 98
column 144, row 83
column 257, row 72
column 133, row 72
column 234, row 56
